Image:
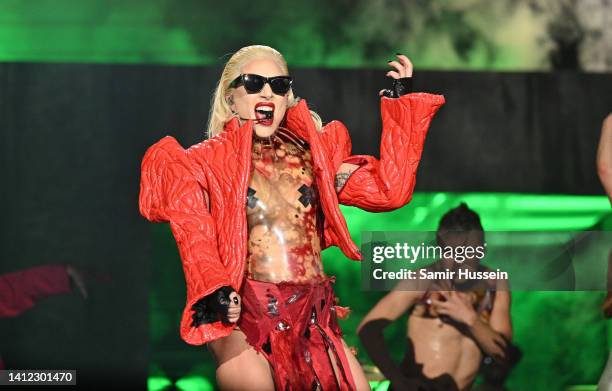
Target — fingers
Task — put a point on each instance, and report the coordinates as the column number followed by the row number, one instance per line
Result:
column 449, row 296
column 500, row 342
column 233, row 316
column 445, row 311
column 401, row 71
column 467, row 299
column 456, row 297
column 406, row 64
column 499, row 346
column 498, row 351
column 403, row 67
column 233, row 312
column 393, row 74
column 439, row 305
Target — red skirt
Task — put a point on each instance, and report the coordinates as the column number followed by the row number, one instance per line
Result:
column 294, row 326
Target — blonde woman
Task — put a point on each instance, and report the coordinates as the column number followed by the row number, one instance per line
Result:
column 253, row 206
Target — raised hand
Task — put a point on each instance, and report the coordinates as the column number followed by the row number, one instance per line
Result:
column 401, row 75
column 456, row 306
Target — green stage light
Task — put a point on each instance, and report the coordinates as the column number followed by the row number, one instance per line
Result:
column 157, row 383
column 194, row 383
column 583, row 387
column 438, row 34
column 498, row 212
column 380, row 385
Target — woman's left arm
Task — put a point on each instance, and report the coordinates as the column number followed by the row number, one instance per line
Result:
column 387, row 183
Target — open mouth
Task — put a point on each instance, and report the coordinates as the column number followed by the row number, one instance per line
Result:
column 264, row 112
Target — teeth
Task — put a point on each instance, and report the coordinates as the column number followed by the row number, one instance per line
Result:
column 265, row 108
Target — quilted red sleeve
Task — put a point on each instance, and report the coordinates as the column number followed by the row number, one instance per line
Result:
column 170, row 192
column 388, row 183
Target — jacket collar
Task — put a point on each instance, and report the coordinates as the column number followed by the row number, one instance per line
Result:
column 299, row 121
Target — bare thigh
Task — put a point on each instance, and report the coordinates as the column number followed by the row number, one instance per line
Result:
column 358, row 376
column 239, row 366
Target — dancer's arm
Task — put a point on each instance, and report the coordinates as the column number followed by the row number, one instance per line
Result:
column 607, row 305
column 370, row 332
column 604, row 170
column 20, row 290
column 604, row 156
column 493, row 336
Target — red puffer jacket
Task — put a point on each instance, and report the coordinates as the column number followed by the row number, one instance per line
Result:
column 202, row 191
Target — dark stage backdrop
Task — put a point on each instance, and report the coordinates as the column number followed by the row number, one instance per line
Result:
column 539, row 130
column 72, row 137
column 500, row 132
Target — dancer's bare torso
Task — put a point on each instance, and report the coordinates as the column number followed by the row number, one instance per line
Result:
column 283, row 213
column 440, row 346
column 443, row 349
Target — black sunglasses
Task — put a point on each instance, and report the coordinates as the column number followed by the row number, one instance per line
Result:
column 280, row 85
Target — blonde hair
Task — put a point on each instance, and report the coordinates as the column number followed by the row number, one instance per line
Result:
column 220, row 111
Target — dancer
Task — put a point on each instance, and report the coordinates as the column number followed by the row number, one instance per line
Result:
column 453, row 324
column 604, row 169
column 252, row 207
column 20, row 290
column 605, row 382
column 604, row 156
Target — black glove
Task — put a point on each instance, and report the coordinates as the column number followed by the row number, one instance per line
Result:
column 401, row 86
column 372, row 339
column 212, row 308
column 496, row 370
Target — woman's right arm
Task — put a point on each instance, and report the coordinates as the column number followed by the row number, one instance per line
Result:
column 170, row 192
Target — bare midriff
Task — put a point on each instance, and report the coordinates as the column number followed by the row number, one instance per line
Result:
column 283, row 212
column 439, row 346
column 442, row 349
